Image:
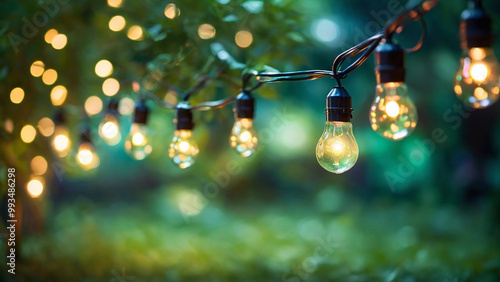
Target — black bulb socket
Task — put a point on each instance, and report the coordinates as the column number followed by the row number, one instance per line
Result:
column 338, row 105
column 60, row 117
column 389, row 63
column 85, row 136
column 244, row 105
column 113, row 107
column 184, row 117
column 141, row 112
column 475, row 27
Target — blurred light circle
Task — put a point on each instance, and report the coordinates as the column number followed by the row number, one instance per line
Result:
column 243, row 38
column 110, row 87
column 58, row 95
column 117, row 23
column 135, row 33
column 126, row 106
column 206, row 31
column 37, row 68
column 103, row 68
column 28, row 133
column 9, row 125
column 49, row 35
column 49, row 77
column 171, row 11
column 93, row 105
column 325, row 30
column 39, row 165
column 115, row 3
column 35, row 188
column 46, row 126
column 59, row 41
column 17, row 95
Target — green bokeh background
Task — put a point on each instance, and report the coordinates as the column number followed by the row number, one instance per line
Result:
column 419, row 209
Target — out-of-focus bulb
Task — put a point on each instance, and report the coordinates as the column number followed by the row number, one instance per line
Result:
column 243, row 137
column 86, row 156
column 109, row 130
column 337, row 150
column 477, row 82
column 136, row 143
column 393, row 114
column 183, row 148
column 60, row 141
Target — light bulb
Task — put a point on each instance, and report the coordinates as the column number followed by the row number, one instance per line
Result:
column 477, row 82
column 243, row 137
column 183, row 148
column 86, row 156
column 60, row 140
column 393, row 114
column 137, row 142
column 109, row 130
column 337, row 150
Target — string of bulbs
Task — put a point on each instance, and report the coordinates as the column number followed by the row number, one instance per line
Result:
column 393, row 114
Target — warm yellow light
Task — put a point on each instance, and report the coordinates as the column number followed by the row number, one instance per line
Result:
column 117, row 23
column 49, row 76
column 109, row 129
column 138, row 139
column 58, row 95
column 392, row 109
column 17, row 95
column 110, row 87
column 28, row 133
column 338, row 147
column 171, row 11
column 61, row 142
column 93, row 105
column 46, row 126
column 103, row 68
column 35, row 188
column 480, row 93
column 39, row 165
column 135, row 33
column 184, row 146
column 477, row 54
column 115, row 3
column 126, row 106
column 49, row 35
column 37, row 68
column 85, row 156
column 479, row 72
column 206, row 31
column 245, row 136
column 458, row 89
column 243, row 38
column 59, row 41
column 9, row 125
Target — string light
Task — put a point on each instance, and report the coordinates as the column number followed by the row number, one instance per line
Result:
column 61, row 142
column 243, row 137
column 28, row 133
column 86, row 156
column 17, row 95
column 109, row 129
column 103, row 68
column 117, row 23
column 183, row 148
column 35, row 187
column 137, row 142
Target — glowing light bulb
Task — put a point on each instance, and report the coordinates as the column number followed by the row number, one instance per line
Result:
column 243, row 137
column 136, row 143
column 183, row 148
column 477, row 82
column 60, row 140
column 86, row 156
column 337, row 150
column 393, row 114
column 35, row 186
column 109, row 130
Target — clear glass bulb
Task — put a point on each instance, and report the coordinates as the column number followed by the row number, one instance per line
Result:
column 393, row 114
column 60, row 140
column 109, row 130
column 243, row 137
column 86, row 156
column 183, row 148
column 136, row 143
column 477, row 83
column 337, row 150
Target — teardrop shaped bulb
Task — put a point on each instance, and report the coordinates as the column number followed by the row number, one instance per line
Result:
column 137, row 142
column 337, row 150
column 243, row 137
column 183, row 148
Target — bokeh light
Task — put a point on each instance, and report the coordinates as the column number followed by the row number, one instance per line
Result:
column 28, row 133
column 49, row 35
column 206, row 31
column 325, row 30
column 59, row 41
column 58, row 95
column 46, row 126
column 93, row 105
column 117, row 23
column 110, row 87
column 38, row 165
column 103, row 68
column 115, row 3
column 9, row 125
column 17, row 95
column 135, row 33
column 243, row 38
column 49, row 77
column 126, row 106
column 35, row 187
column 171, row 11
column 37, row 68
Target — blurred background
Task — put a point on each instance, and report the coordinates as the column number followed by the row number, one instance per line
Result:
column 413, row 210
